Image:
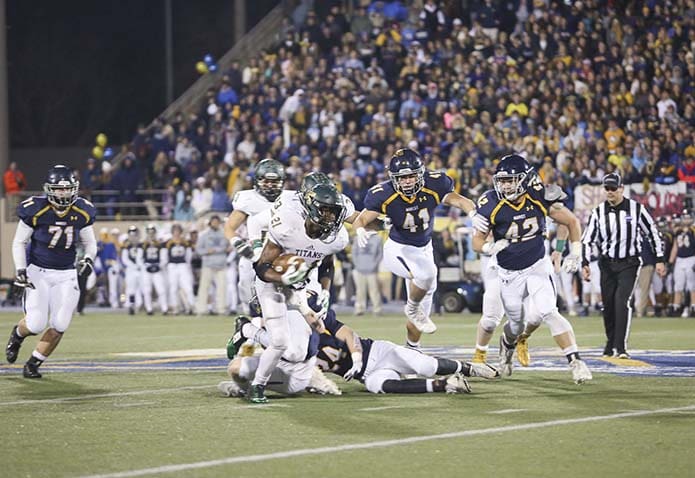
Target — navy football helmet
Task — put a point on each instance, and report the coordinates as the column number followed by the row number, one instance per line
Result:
column 686, row 219
column 407, row 172
column 513, row 176
column 61, row 186
column 269, row 179
column 325, row 209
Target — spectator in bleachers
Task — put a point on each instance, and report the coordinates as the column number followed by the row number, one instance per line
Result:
column 13, row 180
column 201, row 200
column 127, row 180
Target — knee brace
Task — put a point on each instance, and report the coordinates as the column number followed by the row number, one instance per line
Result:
column 512, row 330
column 557, row 323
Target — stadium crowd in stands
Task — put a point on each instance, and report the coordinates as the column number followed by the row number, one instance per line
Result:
column 582, row 88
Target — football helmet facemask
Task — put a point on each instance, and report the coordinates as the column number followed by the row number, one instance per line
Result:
column 407, row 172
column 269, row 179
column 325, row 210
column 61, row 187
column 512, row 178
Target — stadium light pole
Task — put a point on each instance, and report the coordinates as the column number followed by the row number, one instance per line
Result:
column 168, row 53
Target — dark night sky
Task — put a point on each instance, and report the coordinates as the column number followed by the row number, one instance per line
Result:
column 79, row 67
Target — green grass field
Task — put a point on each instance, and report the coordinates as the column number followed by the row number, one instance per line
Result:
column 161, row 415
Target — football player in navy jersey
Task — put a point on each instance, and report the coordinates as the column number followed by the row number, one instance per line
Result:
column 44, row 250
column 683, row 260
column 377, row 364
column 516, row 211
column 409, row 200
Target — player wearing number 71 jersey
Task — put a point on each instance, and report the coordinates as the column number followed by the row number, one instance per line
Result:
column 409, row 200
column 51, row 225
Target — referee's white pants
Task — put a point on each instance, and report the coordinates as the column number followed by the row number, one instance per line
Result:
column 414, row 264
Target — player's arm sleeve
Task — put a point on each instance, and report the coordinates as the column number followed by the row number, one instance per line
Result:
column 189, row 254
column 484, row 207
column 164, row 256
column 89, row 241
column 125, row 258
column 649, row 229
column 441, row 184
column 19, row 245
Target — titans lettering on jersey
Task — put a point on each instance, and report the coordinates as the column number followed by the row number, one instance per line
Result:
column 522, row 224
column 412, row 219
column 333, row 354
column 54, row 237
column 685, row 241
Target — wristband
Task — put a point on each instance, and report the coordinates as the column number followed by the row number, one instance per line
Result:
column 560, row 245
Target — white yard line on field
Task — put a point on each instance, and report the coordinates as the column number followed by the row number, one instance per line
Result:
column 380, row 444
column 508, row 410
column 377, row 409
column 105, row 395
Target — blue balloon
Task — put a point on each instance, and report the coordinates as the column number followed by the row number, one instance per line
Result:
column 212, row 67
column 208, row 59
column 108, row 152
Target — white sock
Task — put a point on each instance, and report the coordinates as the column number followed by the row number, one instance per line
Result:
column 428, row 384
column 570, row 350
column 482, row 348
column 39, row 356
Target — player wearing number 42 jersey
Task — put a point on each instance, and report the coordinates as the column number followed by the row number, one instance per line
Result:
column 516, row 211
column 44, row 251
column 409, row 200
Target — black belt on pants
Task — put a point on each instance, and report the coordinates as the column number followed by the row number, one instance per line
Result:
column 625, row 260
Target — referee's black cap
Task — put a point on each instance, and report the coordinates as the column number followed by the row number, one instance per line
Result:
column 612, row 179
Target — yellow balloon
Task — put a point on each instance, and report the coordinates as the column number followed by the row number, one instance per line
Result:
column 201, row 67
column 102, row 139
column 97, row 152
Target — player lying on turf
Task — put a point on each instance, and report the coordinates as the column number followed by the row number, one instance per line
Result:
column 378, row 364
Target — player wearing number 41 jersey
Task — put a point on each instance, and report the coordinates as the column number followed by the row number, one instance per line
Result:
column 516, row 211
column 44, row 254
column 409, row 200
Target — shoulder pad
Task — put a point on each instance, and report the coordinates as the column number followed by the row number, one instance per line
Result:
column 554, row 193
column 86, row 208
column 29, row 207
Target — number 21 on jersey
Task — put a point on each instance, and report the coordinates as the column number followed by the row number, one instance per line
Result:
column 410, row 224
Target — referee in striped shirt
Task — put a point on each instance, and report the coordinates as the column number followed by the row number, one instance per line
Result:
column 616, row 226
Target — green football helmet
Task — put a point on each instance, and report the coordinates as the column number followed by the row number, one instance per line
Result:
column 269, row 179
column 325, row 209
column 312, row 179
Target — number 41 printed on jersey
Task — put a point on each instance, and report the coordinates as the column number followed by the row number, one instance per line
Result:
column 409, row 221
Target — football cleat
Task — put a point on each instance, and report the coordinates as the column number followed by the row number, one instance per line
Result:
column 506, row 354
column 322, row 385
column 13, row 346
column 623, row 355
column 483, row 370
column 421, row 322
column 257, row 394
column 480, row 356
column 580, row 372
column 457, row 383
column 31, row 371
column 608, row 351
column 522, row 353
column 234, row 344
column 230, row 388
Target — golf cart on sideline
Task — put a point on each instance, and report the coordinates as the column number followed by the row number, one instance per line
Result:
column 461, row 287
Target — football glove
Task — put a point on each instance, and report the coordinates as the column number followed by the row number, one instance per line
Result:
column 356, row 366
column 363, row 236
column 480, row 222
column 22, row 280
column 242, row 247
column 295, row 274
column 492, row 248
column 572, row 262
column 85, row 267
